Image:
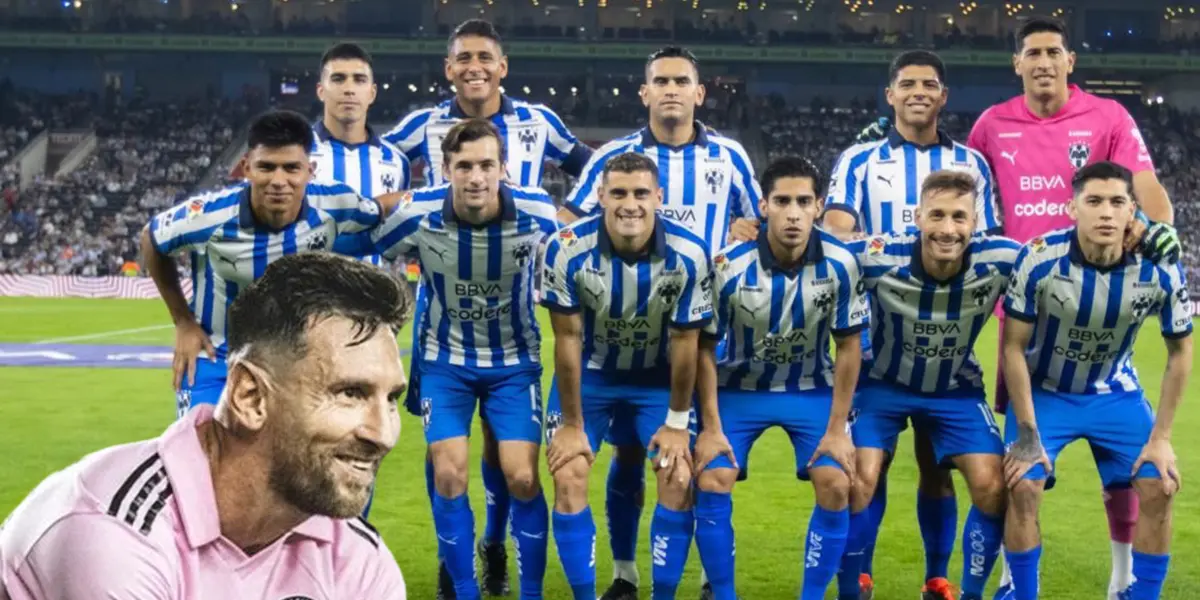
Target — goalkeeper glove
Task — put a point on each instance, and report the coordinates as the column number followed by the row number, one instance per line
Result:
column 874, row 132
column 1160, row 242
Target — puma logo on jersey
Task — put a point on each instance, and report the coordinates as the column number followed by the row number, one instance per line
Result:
column 440, row 252
column 1012, row 158
column 1062, row 303
column 887, row 180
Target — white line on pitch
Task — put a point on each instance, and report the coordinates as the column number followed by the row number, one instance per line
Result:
column 102, row 334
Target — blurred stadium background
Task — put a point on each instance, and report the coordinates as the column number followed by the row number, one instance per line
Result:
column 113, row 109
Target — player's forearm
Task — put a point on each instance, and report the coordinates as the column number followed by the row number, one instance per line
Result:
column 683, row 357
column 1152, row 197
column 706, row 384
column 1016, row 380
column 1179, row 367
column 566, row 217
column 846, row 366
column 568, row 367
column 163, row 271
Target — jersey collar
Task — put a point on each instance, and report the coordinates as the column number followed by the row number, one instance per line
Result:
column 246, row 218
column 657, row 247
column 508, row 206
column 814, row 253
column 1075, row 254
column 506, row 107
column 701, row 138
column 323, row 135
column 918, row 268
column 895, row 140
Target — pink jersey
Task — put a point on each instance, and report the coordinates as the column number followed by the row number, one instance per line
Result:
column 1034, row 158
column 139, row 521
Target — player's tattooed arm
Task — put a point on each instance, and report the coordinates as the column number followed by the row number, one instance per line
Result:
column 1027, row 450
column 570, row 441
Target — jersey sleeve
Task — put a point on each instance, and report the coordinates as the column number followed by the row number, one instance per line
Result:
column 397, row 234
column 409, row 134
column 1175, row 318
column 559, row 290
column 851, row 314
column 987, row 217
column 1024, row 289
column 722, row 294
column 183, row 228
column 694, row 307
column 847, row 185
column 745, row 190
column 562, row 147
column 1128, row 148
column 380, row 578
column 869, row 268
column 584, row 199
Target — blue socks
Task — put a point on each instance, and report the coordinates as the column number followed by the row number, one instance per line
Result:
column 1024, row 568
column 430, row 491
column 455, row 526
column 671, row 537
column 1150, row 570
column 938, row 518
column 575, row 536
column 876, row 509
column 981, row 538
column 623, row 506
column 529, row 525
column 847, row 576
column 714, row 539
column 823, row 549
column 495, row 489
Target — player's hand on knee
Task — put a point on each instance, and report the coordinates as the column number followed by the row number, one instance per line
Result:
column 568, row 443
column 743, row 230
column 190, row 341
column 1023, row 454
column 668, row 449
column 710, row 444
column 1159, row 453
column 838, row 446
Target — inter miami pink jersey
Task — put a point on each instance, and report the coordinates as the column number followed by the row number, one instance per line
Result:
column 1034, row 158
column 140, row 521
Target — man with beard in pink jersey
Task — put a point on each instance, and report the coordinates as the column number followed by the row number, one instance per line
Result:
column 1035, row 142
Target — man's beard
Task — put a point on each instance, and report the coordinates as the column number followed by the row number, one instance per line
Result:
column 306, row 480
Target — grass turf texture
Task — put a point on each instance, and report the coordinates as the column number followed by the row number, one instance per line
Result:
column 50, row 417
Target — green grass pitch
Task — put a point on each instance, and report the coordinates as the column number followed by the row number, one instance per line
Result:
column 50, row 417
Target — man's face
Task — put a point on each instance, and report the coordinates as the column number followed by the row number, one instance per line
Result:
column 347, row 88
column 1103, row 210
column 946, row 219
column 1044, row 63
column 917, row 95
column 791, row 207
column 277, row 176
column 672, row 90
column 335, row 420
column 476, row 66
column 475, row 172
column 629, row 201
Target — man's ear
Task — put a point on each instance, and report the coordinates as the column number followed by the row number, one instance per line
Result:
column 245, row 397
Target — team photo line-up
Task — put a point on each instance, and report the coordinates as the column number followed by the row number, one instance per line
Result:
column 839, row 308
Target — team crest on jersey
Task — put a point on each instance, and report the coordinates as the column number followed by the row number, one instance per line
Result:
column 389, row 182
column 522, row 254
column 1079, row 152
column 567, row 237
column 714, row 178
column 669, row 291
column 876, row 246
column 1037, row 244
column 317, row 242
column 195, row 209
column 528, row 138
column 824, row 301
column 1142, row 305
column 981, row 294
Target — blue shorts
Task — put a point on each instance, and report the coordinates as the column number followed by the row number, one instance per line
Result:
column 210, row 380
column 1116, row 426
column 635, row 403
column 412, row 400
column 621, row 432
column 510, row 398
column 745, row 415
column 959, row 424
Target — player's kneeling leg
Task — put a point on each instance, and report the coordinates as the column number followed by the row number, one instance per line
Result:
column 1023, row 545
column 574, row 528
column 1152, row 536
column 452, row 516
column 530, row 516
column 671, row 528
column 863, row 489
column 714, row 526
column 827, row 529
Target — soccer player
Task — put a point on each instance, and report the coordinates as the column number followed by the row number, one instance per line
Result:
column 533, row 134
column 231, row 235
column 1076, row 302
column 875, row 189
column 778, row 299
column 1035, row 142
column 708, row 185
column 932, row 291
column 477, row 240
column 628, row 292
column 242, row 500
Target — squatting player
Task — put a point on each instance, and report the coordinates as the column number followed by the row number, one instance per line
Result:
column 533, row 134
column 628, row 292
column 708, row 185
column 932, row 291
column 777, row 301
column 477, row 240
column 1035, row 142
column 1076, row 302
column 241, row 501
column 231, row 235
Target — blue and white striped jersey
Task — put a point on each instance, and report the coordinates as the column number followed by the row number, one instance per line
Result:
column 628, row 303
column 880, row 182
column 480, row 279
column 706, row 184
column 534, row 134
column 1085, row 317
column 923, row 330
column 777, row 322
column 229, row 249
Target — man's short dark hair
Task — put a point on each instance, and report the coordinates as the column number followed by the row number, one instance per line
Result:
column 630, row 162
column 1040, row 25
column 470, row 130
column 921, row 58
column 792, row 166
column 270, row 319
column 345, row 51
column 674, row 52
column 475, row 27
column 947, row 180
column 1099, row 171
column 280, row 128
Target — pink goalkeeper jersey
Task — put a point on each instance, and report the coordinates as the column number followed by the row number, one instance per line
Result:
column 1034, row 158
column 139, row 522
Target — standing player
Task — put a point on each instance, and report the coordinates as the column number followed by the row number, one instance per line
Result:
column 477, row 240
column 231, row 235
column 278, row 472
column 777, row 301
column 1077, row 301
column 532, row 134
column 1036, row 142
column 708, row 186
column 875, row 189
column 932, row 292
column 628, row 292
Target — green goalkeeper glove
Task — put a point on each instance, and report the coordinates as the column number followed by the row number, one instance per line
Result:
column 1160, row 242
column 874, row 132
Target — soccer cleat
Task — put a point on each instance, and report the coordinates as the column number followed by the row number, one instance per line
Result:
column 866, row 587
column 494, row 574
column 620, row 590
column 1005, row 592
column 1125, row 594
column 706, row 592
column 938, row 588
column 445, row 589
